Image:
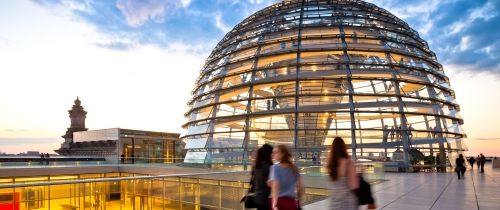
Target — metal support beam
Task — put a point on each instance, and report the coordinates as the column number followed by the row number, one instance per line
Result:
column 404, row 127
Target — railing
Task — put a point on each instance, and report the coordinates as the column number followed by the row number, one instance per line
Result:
column 57, row 160
column 372, row 171
column 177, row 191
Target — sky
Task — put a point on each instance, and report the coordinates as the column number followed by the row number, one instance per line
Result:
column 133, row 63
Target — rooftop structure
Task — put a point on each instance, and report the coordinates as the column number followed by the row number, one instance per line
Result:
column 136, row 146
column 302, row 72
column 77, row 114
column 118, row 144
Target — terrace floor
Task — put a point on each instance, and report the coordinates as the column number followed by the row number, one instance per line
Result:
column 415, row 191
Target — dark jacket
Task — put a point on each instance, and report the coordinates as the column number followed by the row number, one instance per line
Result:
column 472, row 160
column 261, row 190
column 482, row 160
column 460, row 162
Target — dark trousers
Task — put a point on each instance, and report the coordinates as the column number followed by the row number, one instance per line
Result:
column 482, row 167
column 461, row 171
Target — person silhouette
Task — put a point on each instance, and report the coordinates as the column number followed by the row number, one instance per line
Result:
column 385, row 133
column 392, row 133
column 47, row 159
column 482, row 161
column 460, row 166
column 471, row 162
column 410, row 134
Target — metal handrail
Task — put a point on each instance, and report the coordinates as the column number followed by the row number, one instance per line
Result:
column 3, row 186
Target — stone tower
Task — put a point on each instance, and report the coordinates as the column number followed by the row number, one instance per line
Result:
column 77, row 114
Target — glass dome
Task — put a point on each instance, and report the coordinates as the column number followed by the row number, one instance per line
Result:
column 303, row 72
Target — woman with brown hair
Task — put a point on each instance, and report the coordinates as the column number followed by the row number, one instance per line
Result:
column 260, row 174
column 287, row 187
column 342, row 171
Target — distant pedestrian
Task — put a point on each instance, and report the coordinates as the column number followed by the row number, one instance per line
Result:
column 460, row 166
column 287, row 187
column 42, row 158
column 439, row 168
column 471, row 162
column 122, row 158
column 342, row 171
column 260, row 174
column 385, row 133
column 482, row 161
column 398, row 133
column 275, row 103
column 392, row 133
column 47, row 158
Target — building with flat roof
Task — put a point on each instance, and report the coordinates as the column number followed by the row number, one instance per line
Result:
column 136, row 146
column 118, row 144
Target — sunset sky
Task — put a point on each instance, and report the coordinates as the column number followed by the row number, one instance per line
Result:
column 133, row 63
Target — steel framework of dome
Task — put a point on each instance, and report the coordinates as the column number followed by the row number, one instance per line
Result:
column 303, row 72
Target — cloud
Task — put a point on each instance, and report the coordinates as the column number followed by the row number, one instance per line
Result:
column 138, row 12
column 220, row 25
column 127, row 24
column 465, row 43
column 460, row 32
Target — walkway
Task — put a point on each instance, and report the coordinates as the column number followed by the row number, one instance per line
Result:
column 419, row 191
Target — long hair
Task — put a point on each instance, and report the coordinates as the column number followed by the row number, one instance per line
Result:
column 264, row 156
column 339, row 150
column 286, row 157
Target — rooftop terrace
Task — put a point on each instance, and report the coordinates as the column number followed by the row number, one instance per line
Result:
column 398, row 191
column 419, row 191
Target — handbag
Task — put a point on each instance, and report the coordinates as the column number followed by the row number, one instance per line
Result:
column 364, row 192
column 249, row 198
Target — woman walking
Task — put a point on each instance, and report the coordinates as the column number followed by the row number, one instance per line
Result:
column 260, row 175
column 460, row 166
column 342, row 171
column 287, row 187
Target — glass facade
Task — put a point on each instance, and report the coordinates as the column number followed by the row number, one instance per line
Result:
column 112, row 192
column 136, row 146
column 302, row 72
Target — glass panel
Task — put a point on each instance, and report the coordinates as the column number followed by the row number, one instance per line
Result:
column 285, row 59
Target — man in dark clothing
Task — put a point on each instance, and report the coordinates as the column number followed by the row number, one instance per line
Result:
column 42, row 158
column 482, row 161
column 472, row 160
column 47, row 158
column 460, row 166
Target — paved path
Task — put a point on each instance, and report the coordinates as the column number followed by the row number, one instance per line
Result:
column 415, row 191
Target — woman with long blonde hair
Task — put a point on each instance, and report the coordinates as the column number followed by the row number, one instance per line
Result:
column 287, row 187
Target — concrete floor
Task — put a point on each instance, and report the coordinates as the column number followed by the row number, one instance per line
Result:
column 415, row 191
